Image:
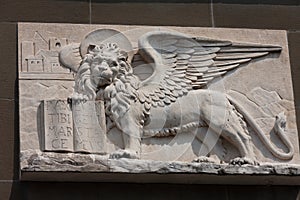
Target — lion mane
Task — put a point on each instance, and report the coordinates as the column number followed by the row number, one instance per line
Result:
column 83, row 84
column 120, row 93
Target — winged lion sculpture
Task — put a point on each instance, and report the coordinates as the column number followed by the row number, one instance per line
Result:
column 175, row 97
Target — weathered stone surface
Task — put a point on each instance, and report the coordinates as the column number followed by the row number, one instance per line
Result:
column 47, row 162
column 38, row 161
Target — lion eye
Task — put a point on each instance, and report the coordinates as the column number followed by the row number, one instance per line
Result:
column 122, row 59
column 114, row 63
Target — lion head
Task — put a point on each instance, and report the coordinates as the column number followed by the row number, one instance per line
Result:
column 105, row 73
column 101, row 66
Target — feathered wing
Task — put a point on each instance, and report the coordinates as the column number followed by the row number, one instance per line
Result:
column 70, row 56
column 182, row 63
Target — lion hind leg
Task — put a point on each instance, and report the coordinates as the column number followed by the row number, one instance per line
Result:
column 234, row 131
column 209, row 150
column 209, row 141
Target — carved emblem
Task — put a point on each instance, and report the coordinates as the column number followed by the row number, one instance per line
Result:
column 175, row 98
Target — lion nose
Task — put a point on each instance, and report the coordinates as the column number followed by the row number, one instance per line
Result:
column 103, row 66
column 107, row 73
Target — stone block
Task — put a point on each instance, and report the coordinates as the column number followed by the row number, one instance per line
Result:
column 257, row 16
column 10, row 190
column 294, row 48
column 191, row 14
column 259, row 2
column 45, row 11
column 206, row 107
column 8, row 49
column 9, row 141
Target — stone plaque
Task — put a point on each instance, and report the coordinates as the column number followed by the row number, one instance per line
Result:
column 58, row 135
column 74, row 126
column 142, row 99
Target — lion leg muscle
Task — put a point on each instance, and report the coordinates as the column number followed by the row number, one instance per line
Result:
column 129, row 124
column 131, row 133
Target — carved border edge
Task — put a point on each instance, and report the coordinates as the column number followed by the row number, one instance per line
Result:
column 97, row 168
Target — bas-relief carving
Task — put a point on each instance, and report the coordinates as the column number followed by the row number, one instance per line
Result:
column 163, row 95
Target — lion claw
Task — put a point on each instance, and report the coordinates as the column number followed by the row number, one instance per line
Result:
column 243, row 161
column 124, row 153
column 76, row 97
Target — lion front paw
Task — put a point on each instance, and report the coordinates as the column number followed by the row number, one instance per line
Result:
column 124, row 153
column 76, row 97
column 280, row 122
column 243, row 161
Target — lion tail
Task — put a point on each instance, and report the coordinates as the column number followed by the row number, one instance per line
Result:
column 279, row 128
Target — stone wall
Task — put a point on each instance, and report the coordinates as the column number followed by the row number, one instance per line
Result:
column 263, row 14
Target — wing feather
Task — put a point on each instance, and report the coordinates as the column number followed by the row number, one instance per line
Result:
column 70, row 56
column 236, row 56
column 182, row 63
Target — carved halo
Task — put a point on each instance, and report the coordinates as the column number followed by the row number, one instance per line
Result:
column 71, row 55
column 104, row 36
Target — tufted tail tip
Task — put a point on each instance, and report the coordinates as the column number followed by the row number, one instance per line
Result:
column 281, row 120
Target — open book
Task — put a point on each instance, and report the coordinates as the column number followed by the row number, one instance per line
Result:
column 77, row 126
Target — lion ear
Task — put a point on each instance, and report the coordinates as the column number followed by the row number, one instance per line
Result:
column 124, row 55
